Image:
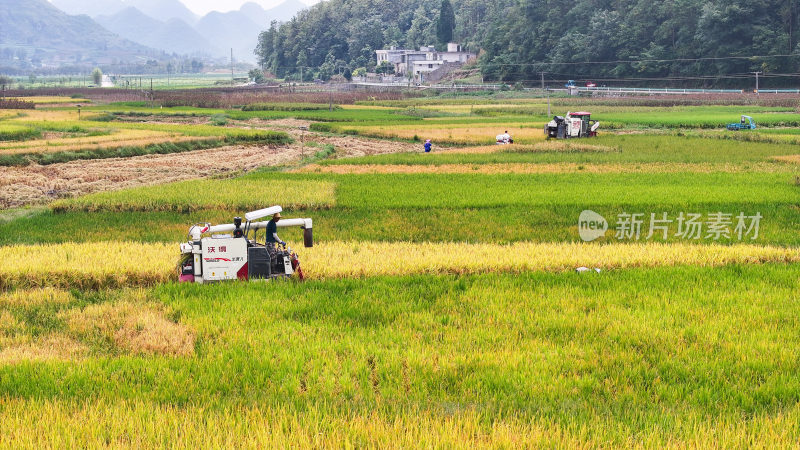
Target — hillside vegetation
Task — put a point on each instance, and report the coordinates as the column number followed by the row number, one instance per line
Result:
column 520, row 39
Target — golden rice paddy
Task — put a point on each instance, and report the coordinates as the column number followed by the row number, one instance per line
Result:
column 118, row 138
column 72, row 265
column 458, row 135
column 53, row 100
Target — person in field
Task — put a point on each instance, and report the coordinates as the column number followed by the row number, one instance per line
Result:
column 428, row 146
column 272, row 231
column 504, row 139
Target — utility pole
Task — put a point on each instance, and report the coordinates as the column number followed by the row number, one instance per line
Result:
column 547, row 91
column 301, row 74
column 757, row 74
column 231, row 66
column 548, row 103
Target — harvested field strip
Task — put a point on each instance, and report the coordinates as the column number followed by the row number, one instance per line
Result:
column 525, row 168
column 237, row 194
column 25, row 185
column 121, row 264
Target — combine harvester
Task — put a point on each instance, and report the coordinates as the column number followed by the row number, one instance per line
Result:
column 233, row 252
column 573, row 125
column 747, row 123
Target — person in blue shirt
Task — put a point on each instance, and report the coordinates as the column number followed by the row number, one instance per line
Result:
column 272, row 231
column 428, row 146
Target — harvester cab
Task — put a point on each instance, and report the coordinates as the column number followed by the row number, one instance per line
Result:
column 573, row 125
column 232, row 251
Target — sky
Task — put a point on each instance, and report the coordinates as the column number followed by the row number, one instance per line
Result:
column 203, row 7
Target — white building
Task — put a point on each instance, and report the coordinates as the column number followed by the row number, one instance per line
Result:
column 424, row 60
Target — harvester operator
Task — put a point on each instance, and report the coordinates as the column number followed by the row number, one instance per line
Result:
column 272, row 231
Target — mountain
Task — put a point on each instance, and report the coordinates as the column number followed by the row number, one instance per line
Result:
column 256, row 13
column 52, row 36
column 174, row 36
column 231, row 30
column 164, row 10
column 285, row 11
column 282, row 13
column 91, row 8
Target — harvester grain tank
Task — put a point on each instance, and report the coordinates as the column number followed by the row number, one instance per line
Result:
column 573, row 125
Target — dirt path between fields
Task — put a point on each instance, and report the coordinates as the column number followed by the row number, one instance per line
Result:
column 35, row 184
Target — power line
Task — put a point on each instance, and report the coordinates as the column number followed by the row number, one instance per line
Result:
column 621, row 61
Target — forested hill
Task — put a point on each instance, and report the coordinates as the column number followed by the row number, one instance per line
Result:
column 520, row 38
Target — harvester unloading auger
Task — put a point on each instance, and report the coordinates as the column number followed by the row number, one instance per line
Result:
column 232, row 252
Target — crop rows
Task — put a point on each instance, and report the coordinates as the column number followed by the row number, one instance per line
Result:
column 237, row 194
column 539, row 147
column 122, row 138
column 39, row 423
column 17, row 133
column 47, row 137
column 553, row 168
column 443, row 133
column 121, row 264
column 629, row 149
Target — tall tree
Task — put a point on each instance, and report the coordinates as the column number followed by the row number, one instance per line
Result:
column 97, row 76
column 446, row 23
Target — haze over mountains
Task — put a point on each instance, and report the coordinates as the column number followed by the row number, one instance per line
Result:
column 170, row 26
column 35, row 32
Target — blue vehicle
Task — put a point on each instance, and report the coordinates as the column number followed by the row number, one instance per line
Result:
column 747, row 123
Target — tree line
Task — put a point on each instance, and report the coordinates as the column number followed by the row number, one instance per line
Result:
column 689, row 42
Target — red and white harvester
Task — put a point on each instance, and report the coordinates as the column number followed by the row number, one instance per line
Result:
column 573, row 125
column 232, row 252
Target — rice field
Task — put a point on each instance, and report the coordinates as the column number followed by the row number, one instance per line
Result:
column 473, row 135
column 47, row 136
column 554, row 168
column 55, row 100
column 207, row 194
column 442, row 306
column 73, row 265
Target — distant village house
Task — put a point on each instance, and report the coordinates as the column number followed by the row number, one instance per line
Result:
column 421, row 62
